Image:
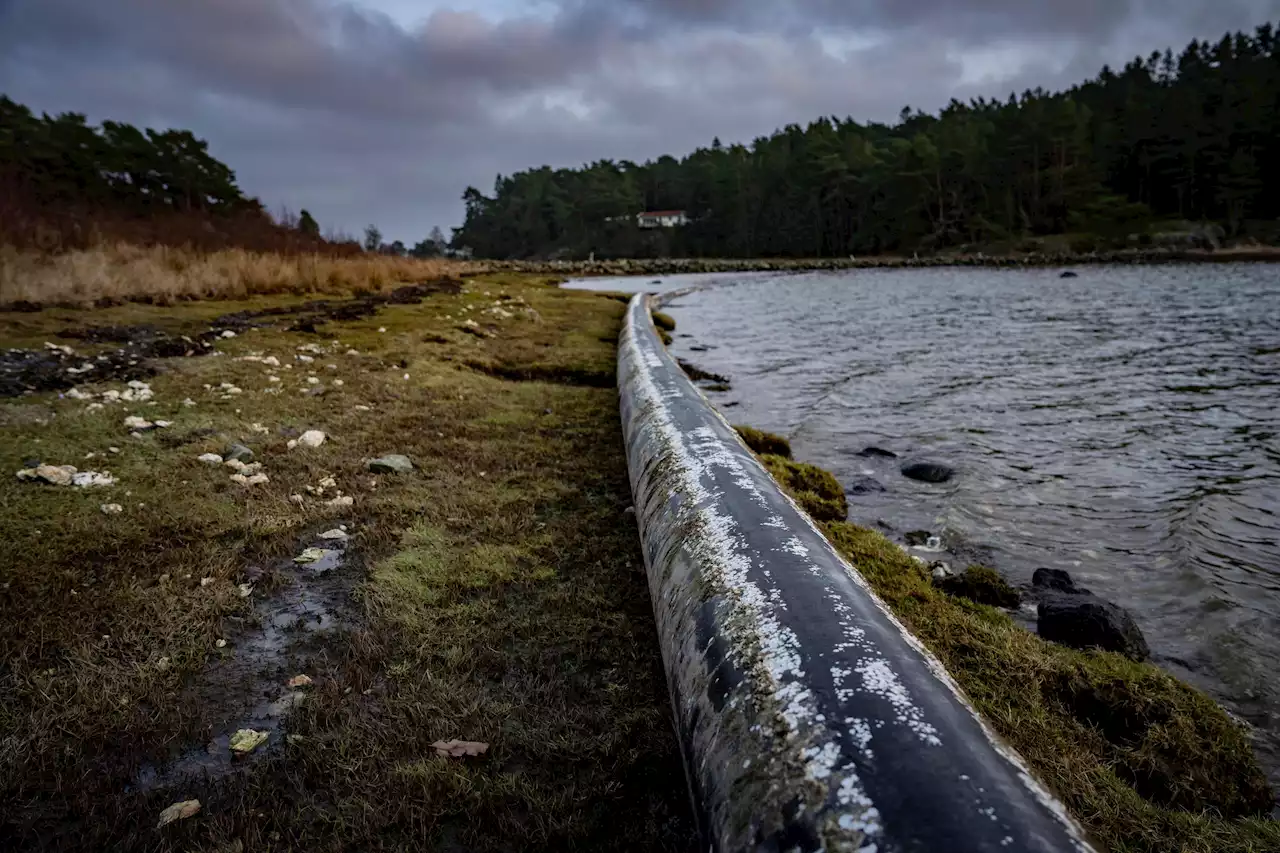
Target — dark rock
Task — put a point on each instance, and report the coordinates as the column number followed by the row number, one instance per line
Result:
column 1082, row 620
column 238, row 452
column 1069, row 274
column 864, row 486
column 917, row 537
column 1057, row 580
column 878, row 453
column 928, row 472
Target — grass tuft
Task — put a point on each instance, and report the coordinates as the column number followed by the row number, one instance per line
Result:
column 817, row 491
column 665, row 322
column 981, row 584
column 764, row 443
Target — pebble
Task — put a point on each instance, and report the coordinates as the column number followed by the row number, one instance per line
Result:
column 345, row 500
column 111, row 509
column 227, row 334
column 222, row 644
column 135, row 422
column 312, row 438
column 334, row 534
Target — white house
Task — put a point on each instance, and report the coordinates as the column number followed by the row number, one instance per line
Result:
column 662, row 219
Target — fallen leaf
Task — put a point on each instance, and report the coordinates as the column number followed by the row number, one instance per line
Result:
column 246, row 741
column 459, row 748
column 299, row 681
column 179, row 811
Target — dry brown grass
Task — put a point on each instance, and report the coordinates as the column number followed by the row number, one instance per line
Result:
column 162, row 275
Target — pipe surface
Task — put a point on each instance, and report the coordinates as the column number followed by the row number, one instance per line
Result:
column 808, row 716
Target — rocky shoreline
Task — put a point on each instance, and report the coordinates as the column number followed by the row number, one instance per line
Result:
column 686, row 266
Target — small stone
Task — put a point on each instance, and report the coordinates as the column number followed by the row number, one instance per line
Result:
column 353, row 352
column 311, row 380
column 258, row 479
column 338, row 383
column 328, row 483
column 57, row 475
column 291, row 443
column 111, row 509
column 136, row 423
column 206, row 581
column 241, row 479
column 245, row 589
column 312, row 438
column 238, row 452
column 311, row 555
column 299, row 681
column 188, row 402
column 221, row 644
column 113, row 450
column 227, row 334
column 392, row 463
column 209, row 458
column 246, row 741
column 382, row 328
column 334, row 534
column 343, row 501
column 163, row 664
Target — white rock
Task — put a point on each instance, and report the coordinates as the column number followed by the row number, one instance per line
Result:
column 271, row 361
column 328, row 483
column 246, row 590
column 273, row 378
column 311, row 380
column 163, row 424
column 227, row 334
column 382, row 328
column 111, row 509
column 312, row 438
column 331, row 367
column 364, row 409
column 353, row 352
column 77, row 394
column 345, row 500
column 210, row 458
column 205, row 582
column 188, row 402
column 135, row 422
column 235, row 465
column 258, row 479
column 305, row 358
column 113, row 450
column 338, row 383
column 291, row 443
column 241, row 479
column 260, row 429
column 93, row 407
column 334, row 534
column 222, row 644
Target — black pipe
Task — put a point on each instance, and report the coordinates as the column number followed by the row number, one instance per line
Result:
column 809, row 718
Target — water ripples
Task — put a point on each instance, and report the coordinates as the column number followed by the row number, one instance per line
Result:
column 1121, row 425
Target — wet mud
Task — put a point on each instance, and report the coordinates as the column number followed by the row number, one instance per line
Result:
column 59, row 367
column 310, row 317
column 289, row 633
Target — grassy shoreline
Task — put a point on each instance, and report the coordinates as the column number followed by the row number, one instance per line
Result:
column 1142, row 760
column 494, row 594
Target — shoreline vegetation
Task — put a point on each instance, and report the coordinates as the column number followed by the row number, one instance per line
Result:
column 1142, row 760
column 346, row 572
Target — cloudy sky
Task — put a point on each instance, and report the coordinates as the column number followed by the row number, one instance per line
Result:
column 385, row 110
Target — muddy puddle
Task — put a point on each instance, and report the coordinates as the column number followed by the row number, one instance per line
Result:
column 288, row 635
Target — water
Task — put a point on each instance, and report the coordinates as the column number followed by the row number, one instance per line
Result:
column 1123, row 425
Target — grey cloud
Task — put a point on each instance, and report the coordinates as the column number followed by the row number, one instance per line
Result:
column 336, row 107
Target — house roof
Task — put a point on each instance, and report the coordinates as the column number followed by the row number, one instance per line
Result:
column 663, row 213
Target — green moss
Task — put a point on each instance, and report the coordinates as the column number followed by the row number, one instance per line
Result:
column 981, row 584
column 1145, row 762
column 764, row 442
column 816, row 490
column 664, row 321
column 666, row 337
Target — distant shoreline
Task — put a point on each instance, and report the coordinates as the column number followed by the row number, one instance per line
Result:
column 678, row 266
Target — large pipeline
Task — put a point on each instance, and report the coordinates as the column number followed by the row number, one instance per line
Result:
column 808, row 716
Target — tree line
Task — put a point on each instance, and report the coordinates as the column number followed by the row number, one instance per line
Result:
column 1187, row 137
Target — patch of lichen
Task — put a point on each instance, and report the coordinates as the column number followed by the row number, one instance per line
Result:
column 664, row 321
column 816, row 490
column 981, row 584
column 1144, row 761
column 764, row 443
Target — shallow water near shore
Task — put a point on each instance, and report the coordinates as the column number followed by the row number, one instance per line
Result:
column 1122, row 425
